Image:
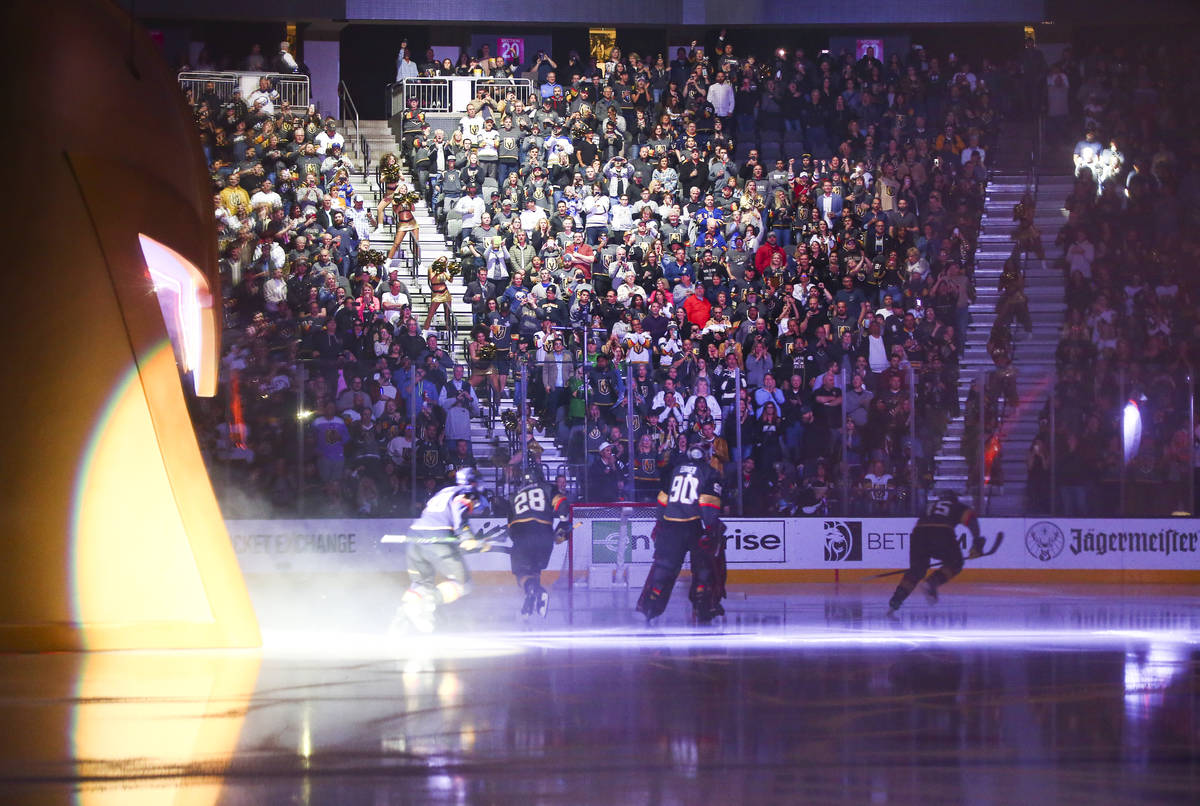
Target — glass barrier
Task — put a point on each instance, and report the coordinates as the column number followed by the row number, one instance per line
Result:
column 373, row 429
column 1117, row 442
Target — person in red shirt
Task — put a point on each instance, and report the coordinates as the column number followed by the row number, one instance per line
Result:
column 762, row 255
column 697, row 308
column 579, row 256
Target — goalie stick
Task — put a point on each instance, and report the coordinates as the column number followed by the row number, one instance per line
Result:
column 987, row 552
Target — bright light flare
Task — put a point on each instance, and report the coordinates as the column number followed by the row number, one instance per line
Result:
column 183, row 295
column 1131, row 429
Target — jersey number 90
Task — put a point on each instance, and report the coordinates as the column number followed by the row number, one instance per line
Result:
column 684, row 490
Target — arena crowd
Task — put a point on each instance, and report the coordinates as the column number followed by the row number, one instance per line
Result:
column 1127, row 250
column 775, row 252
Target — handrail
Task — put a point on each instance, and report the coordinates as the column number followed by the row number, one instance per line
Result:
column 451, row 94
column 359, row 142
column 1039, row 146
column 292, row 87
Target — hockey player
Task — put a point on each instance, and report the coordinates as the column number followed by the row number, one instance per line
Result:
column 443, row 535
column 539, row 519
column 688, row 523
column 933, row 538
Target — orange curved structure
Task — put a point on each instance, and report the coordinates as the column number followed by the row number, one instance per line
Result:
column 112, row 537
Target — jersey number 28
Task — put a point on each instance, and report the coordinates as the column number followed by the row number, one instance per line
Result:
column 526, row 500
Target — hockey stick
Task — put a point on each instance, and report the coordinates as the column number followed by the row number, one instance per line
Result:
column 484, row 545
column 988, row 552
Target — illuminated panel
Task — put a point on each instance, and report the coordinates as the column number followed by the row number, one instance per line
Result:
column 163, row 716
column 1132, row 429
column 131, row 550
column 183, row 296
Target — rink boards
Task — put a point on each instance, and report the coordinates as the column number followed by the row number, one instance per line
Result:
column 760, row 549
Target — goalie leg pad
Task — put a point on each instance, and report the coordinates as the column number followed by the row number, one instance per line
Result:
column 657, row 590
column 671, row 544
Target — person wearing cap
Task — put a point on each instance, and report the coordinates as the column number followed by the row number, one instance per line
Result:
column 360, row 218
column 540, row 190
column 412, row 121
column 605, row 476
column 505, row 218
column 554, row 309
column 329, row 137
column 531, row 217
column 450, row 182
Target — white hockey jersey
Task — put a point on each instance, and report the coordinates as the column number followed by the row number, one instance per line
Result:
column 447, row 510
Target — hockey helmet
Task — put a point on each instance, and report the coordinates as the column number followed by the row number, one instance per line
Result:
column 531, row 475
column 465, row 476
column 946, row 495
column 697, row 447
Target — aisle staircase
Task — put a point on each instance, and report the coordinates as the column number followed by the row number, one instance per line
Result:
column 488, row 437
column 1004, row 190
column 1034, row 355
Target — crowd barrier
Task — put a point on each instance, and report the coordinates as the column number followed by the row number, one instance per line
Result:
column 451, row 94
column 761, row 549
column 293, row 88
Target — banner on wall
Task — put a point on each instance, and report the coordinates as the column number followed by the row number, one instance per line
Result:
column 511, row 48
column 861, row 45
column 324, row 546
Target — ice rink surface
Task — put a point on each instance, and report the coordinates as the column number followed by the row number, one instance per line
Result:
column 806, row 694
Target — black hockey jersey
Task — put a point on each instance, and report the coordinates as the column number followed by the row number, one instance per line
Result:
column 941, row 512
column 690, row 492
column 537, row 503
column 646, row 468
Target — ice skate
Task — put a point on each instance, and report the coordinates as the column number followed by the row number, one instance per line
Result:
column 541, row 604
column 930, row 592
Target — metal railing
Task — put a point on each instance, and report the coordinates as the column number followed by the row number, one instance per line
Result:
column 360, row 143
column 292, row 88
column 432, row 94
column 498, row 89
column 195, row 85
column 1039, row 145
column 451, row 94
